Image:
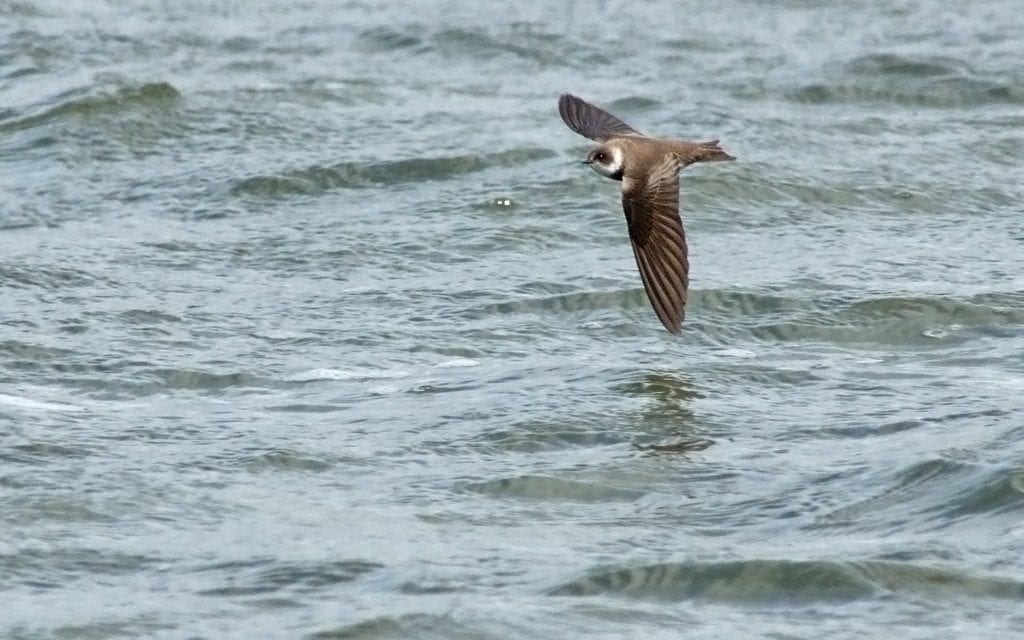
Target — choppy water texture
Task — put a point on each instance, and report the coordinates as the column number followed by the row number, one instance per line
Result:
column 312, row 326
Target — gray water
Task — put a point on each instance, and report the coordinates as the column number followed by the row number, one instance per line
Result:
column 312, row 325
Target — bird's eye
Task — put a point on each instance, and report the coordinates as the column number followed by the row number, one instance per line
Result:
column 600, row 156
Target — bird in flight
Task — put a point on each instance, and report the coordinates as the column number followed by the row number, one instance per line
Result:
column 649, row 171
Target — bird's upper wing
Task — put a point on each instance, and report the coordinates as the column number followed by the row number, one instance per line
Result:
column 590, row 121
column 651, row 204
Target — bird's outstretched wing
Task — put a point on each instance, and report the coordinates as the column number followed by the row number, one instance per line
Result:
column 590, row 121
column 651, row 204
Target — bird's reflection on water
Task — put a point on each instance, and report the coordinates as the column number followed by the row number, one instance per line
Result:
column 668, row 418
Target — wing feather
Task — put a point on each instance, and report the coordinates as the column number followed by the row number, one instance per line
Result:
column 651, row 205
column 590, row 121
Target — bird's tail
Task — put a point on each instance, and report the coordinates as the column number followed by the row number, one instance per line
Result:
column 704, row 152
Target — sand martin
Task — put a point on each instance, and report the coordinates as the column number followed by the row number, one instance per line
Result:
column 649, row 171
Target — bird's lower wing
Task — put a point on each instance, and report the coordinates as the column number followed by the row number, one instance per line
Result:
column 656, row 232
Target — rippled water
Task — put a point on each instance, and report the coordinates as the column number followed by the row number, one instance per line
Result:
column 312, row 326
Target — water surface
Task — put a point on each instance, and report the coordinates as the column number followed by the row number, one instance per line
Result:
column 312, row 325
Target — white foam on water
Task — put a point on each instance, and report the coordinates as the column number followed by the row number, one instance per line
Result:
column 655, row 349
column 347, row 374
column 22, row 402
column 737, row 353
column 457, row 362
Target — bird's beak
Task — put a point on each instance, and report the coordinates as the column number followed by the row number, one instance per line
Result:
column 584, row 161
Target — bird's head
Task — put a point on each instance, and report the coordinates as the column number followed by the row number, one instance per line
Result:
column 607, row 160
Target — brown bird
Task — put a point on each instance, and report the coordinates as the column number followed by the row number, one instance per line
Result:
column 649, row 171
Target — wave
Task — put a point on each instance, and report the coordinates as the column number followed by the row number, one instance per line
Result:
column 785, row 581
column 552, row 488
column 80, row 103
column 906, row 79
column 919, row 320
column 317, row 179
column 256, row 577
column 526, row 43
